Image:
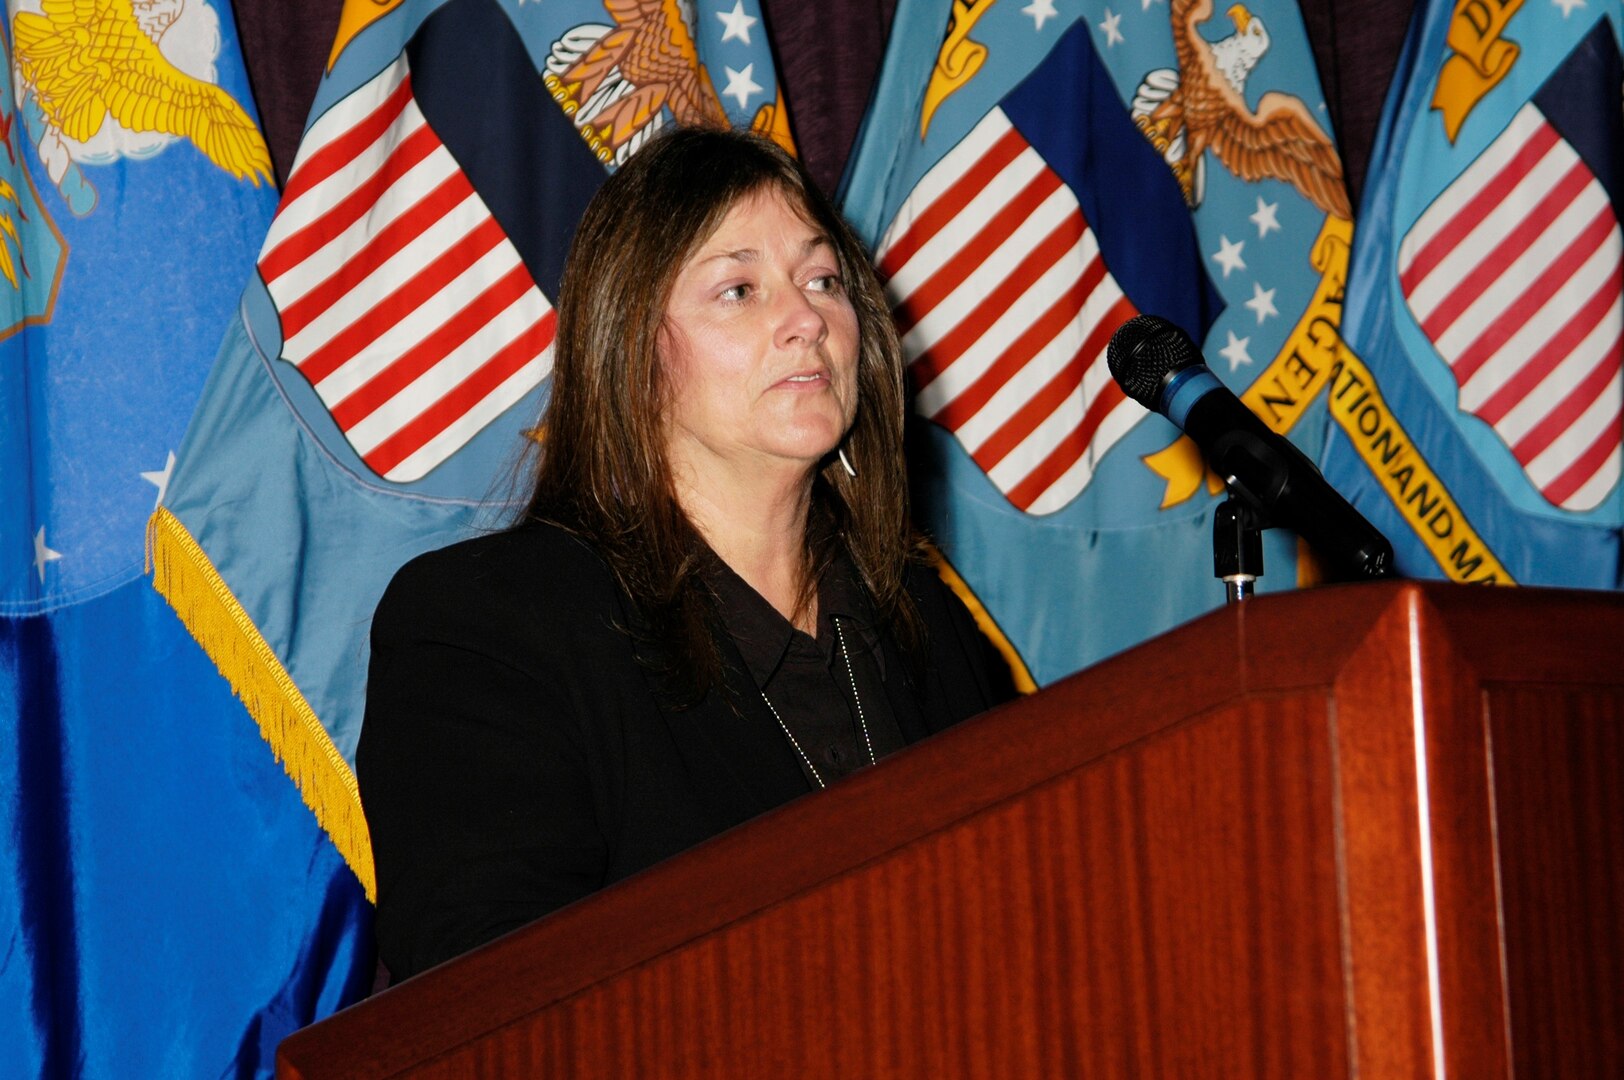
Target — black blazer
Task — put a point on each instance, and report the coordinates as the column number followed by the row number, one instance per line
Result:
column 518, row 754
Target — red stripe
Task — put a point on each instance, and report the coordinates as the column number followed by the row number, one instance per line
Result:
column 1561, row 345
column 470, row 392
column 1073, row 447
column 347, row 211
column 1586, row 465
column 952, row 345
column 402, row 302
column 1565, row 413
column 1466, row 218
column 434, row 348
column 1507, row 251
column 344, row 149
column 1533, row 297
column 1020, row 352
column 977, row 250
column 387, row 243
column 951, row 202
column 1066, row 382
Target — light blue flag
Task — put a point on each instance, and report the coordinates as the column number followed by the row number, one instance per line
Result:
column 1030, row 177
column 392, row 353
column 167, row 906
column 1480, row 422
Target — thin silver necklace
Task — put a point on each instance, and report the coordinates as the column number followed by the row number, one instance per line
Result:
column 862, row 722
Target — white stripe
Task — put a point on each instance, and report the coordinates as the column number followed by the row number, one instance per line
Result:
column 350, row 110
column 1052, row 430
column 1515, row 278
column 387, row 278
column 447, row 373
column 1117, row 423
column 1518, row 349
column 1581, row 435
column 450, row 440
column 945, row 246
column 1042, row 368
column 1599, row 346
column 322, row 198
column 395, row 202
column 943, row 175
column 982, row 353
column 1590, row 495
column 1056, row 212
column 1483, row 242
column 1477, row 176
column 422, row 322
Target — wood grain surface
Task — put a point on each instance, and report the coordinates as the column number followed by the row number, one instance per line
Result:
column 1353, row 831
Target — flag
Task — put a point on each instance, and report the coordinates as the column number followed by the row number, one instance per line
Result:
column 1031, row 179
column 1479, row 407
column 391, row 357
column 168, row 908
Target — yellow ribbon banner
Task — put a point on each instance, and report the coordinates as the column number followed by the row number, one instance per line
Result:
column 958, row 60
column 1479, row 58
column 1427, row 506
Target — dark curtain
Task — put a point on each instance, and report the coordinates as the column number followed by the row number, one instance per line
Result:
column 828, row 54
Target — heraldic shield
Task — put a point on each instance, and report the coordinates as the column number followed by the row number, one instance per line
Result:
column 1513, row 274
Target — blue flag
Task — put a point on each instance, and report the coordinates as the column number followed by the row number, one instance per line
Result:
column 167, row 907
column 1030, row 180
column 392, row 354
column 1480, row 406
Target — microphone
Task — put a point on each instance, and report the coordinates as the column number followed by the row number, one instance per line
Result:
column 1158, row 366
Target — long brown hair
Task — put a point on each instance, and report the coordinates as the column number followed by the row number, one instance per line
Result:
column 603, row 471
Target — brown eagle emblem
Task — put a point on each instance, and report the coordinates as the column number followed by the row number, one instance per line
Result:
column 1202, row 106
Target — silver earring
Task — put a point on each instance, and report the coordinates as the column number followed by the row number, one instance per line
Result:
column 846, row 462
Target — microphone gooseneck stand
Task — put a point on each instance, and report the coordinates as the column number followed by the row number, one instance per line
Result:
column 1237, row 547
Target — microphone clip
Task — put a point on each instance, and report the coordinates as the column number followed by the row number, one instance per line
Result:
column 1237, row 546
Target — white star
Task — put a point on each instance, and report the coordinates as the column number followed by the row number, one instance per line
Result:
column 43, row 554
column 160, row 479
column 1235, row 352
column 737, row 22
column 740, row 85
column 1567, row 6
column 1111, row 27
column 1262, row 302
column 1265, row 219
column 1229, row 255
column 1041, row 11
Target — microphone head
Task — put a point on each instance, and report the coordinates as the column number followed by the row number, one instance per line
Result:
column 1143, row 352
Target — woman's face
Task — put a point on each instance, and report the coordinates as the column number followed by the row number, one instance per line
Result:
column 759, row 349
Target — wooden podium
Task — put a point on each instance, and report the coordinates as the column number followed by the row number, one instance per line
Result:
column 1367, row 830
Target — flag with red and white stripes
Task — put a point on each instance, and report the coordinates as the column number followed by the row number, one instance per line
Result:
column 1514, row 275
column 1005, row 306
column 402, row 300
column 1485, row 300
column 1013, row 258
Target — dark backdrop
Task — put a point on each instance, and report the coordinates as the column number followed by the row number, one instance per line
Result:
column 828, row 53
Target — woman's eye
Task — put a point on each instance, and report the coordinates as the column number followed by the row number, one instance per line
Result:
column 825, row 283
column 735, row 292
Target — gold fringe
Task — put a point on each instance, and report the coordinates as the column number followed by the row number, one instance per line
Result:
column 186, row 578
column 995, row 634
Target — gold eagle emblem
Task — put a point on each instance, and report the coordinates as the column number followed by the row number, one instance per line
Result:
column 1202, row 107
column 87, row 60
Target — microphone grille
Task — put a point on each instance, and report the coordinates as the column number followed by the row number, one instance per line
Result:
column 1143, row 352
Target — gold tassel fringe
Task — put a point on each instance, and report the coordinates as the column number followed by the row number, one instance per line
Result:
column 186, row 578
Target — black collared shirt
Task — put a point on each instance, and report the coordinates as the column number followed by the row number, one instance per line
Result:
column 827, row 692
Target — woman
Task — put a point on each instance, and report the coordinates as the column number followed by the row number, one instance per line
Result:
column 713, row 602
